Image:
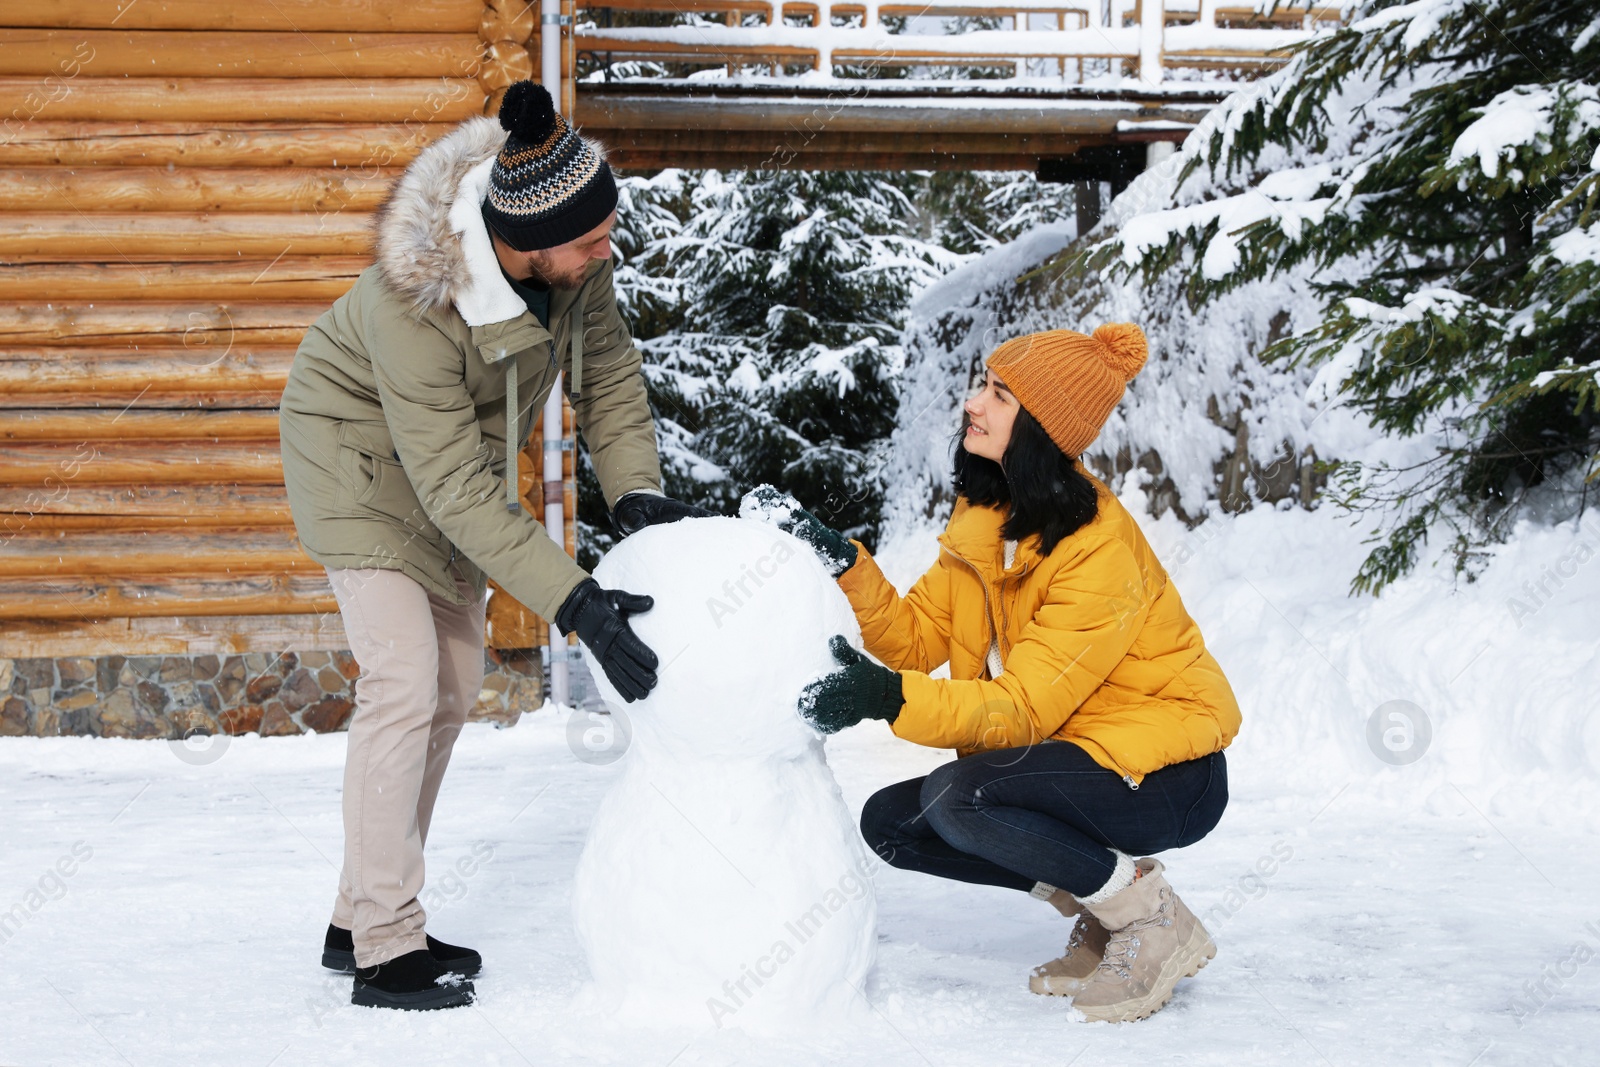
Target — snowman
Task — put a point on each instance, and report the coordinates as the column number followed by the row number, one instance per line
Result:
column 723, row 881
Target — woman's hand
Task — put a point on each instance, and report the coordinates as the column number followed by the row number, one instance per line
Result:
column 860, row 690
column 834, row 549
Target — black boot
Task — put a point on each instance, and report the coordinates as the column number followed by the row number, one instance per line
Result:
column 339, row 950
column 463, row 961
column 413, row 982
column 339, row 953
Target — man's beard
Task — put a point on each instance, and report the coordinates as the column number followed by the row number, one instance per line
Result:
column 570, row 281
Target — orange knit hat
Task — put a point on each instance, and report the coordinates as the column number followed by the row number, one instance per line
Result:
column 1070, row 382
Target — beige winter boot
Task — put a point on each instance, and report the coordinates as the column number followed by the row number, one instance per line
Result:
column 1065, row 975
column 1154, row 941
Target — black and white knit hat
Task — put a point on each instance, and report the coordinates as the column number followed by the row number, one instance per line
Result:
column 548, row 185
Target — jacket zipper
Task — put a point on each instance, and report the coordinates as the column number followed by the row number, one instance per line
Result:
column 996, row 632
column 1005, row 620
column 988, row 612
column 1005, row 616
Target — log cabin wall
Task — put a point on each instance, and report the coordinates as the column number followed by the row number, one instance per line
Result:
column 185, row 185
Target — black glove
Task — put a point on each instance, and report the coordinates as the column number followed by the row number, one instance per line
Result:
column 637, row 510
column 837, row 552
column 600, row 617
column 860, row 690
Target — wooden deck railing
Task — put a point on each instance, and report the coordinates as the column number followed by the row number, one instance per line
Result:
column 786, row 36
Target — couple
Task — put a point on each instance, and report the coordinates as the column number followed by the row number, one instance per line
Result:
column 1089, row 715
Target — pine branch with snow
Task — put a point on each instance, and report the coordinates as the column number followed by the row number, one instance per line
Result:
column 1431, row 181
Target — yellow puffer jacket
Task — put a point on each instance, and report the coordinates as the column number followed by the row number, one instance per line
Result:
column 1097, row 647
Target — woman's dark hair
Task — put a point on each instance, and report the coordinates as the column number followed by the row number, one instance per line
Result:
column 1046, row 491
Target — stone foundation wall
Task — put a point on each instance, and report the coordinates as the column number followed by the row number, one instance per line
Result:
column 253, row 692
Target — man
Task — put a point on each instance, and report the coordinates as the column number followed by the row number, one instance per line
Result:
column 403, row 403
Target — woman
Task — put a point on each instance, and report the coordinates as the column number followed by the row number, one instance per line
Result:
column 1088, row 714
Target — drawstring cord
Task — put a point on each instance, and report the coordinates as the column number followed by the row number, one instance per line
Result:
column 577, row 351
column 513, row 435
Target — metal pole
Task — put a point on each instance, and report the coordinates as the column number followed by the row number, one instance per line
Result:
column 554, row 519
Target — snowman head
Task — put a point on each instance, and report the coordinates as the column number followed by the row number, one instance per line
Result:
column 743, row 612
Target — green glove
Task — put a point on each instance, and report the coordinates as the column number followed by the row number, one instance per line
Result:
column 835, row 550
column 860, row 690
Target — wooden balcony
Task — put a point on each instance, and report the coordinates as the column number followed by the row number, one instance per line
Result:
column 779, row 35
column 876, row 86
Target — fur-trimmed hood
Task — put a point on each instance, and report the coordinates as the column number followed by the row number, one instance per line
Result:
column 431, row 242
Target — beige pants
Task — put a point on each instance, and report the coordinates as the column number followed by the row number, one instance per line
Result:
column 421, row 661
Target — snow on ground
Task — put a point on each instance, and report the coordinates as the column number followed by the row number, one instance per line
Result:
column 1366, row 911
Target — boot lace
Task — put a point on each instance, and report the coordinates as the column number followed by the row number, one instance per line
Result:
column 1123, row 948
column 1080, row 932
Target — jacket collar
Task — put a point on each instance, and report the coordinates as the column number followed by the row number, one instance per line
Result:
column 973, row 534
column 431, row 242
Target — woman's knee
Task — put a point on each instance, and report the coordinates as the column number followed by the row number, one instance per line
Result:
column 951, row 794
column 888, row 818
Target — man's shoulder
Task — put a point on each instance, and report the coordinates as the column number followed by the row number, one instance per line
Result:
column 378, row 304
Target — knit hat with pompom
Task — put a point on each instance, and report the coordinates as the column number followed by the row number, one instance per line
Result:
column 1068, row 381
column 548, row 185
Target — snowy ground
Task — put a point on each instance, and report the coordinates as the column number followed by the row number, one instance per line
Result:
column 1366, row 911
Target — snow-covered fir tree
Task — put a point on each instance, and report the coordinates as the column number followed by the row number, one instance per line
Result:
column 794, row 287
column 649, row 210
column 770, row 306
column 1430, row 174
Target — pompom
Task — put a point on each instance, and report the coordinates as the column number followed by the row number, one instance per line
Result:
column 527, row 112
column 1125, row 346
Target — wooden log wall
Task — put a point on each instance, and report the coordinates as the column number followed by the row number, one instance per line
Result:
column 185, row 185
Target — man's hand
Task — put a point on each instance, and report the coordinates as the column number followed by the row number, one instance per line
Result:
column 636, row 510
column 860, row 690
column 600, row 617
column 837, row 552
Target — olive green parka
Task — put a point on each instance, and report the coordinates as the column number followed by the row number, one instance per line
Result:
column 401, row 397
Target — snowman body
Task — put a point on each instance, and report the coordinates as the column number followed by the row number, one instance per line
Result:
column 723, row 879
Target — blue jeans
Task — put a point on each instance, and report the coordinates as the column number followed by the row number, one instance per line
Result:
column 1040, row 813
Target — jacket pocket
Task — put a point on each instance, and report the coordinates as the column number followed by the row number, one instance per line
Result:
column 496, row 341
column 376, row 480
